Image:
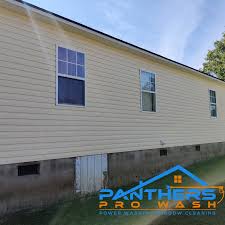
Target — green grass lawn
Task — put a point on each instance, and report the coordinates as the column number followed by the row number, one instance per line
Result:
column 84, row 211
column 218, row 219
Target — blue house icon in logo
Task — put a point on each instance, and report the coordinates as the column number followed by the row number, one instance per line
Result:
column 160, row 176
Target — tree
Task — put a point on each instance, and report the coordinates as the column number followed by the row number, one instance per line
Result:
column 215, row 59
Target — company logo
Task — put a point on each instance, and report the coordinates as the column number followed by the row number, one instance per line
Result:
column 150, row 196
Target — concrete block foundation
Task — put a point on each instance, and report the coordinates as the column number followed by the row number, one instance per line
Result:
column 55, row 182
column 126, row 168
column 56, row 178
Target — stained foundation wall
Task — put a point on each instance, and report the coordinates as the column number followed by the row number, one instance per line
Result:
column 126, row 168
column 56, row 180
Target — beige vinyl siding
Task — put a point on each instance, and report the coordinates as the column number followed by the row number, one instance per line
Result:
column 32, row 127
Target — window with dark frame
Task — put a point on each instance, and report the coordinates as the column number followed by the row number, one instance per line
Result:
column 213, row 102
column 29, row 169
column 70, row 77
column 148, row 91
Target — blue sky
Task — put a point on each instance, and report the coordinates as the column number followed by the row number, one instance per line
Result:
column 182, row 30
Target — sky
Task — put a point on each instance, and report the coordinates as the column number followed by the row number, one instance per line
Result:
column 182, row 30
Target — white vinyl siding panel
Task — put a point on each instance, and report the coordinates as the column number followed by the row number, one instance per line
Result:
column 33, row 127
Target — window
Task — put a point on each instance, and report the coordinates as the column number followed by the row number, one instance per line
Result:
column 29, row 169
column 213, row 107
column 70, row 77
column 148, row 91
column 177, row 179
column 163, row 152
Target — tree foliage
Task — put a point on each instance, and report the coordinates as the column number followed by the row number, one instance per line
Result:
column 215, row 59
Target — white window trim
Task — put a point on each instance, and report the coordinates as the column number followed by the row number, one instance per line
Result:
column 155, row 92
column 72, row 77
column 211, row 103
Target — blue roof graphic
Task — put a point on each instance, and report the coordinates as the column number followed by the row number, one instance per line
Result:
column 151, row 180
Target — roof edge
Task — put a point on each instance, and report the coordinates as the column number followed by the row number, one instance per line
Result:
column 24, row 4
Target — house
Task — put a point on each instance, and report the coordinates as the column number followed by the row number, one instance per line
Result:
column 81, row 109
column 166, row 173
